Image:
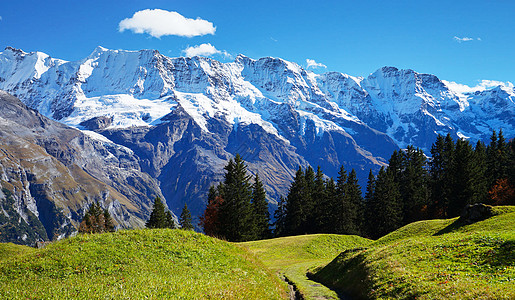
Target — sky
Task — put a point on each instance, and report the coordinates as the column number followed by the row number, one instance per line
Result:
column 461, row 41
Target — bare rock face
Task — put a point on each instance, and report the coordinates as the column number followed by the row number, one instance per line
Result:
column 475, row 213
column 50, row 173
column 97, row 123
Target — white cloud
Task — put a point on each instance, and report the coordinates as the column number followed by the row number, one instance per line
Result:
column 204, row 50
column 313, row 64
column 158, row 22
column 481, row 86
column 0, row 18
column 465, row 39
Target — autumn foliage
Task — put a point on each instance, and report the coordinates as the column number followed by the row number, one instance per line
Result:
column 502, row 193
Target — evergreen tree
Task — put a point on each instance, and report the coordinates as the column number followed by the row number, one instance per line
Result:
column 158, row 218
column 235, row 212
column 280, row 218
column 170, row 222
column 480, row 180
column 331, row 206
column 96, row 220
column 462, row 173
column 386, row 204
column 370, row 206
column 260, row 210
column 320, row 204
column 342, row 222
column 441, row 180
column 185, row 219
column 296, row 208
column 413, row 185
column 354, row 200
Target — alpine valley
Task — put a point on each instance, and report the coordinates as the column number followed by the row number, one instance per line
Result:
column 122, row 127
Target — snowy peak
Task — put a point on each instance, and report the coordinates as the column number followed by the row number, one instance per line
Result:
column 137, row 88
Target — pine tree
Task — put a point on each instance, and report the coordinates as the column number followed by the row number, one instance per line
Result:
column 185, row 219
column 462, row 173
column 235, row 211
column 296, row 208
column 320, row 204
column 355, row 202
column 370, row 206
column 158, row 217
column 260, row 210
column 413, row 185
column 331, row 207
column 170, row 222
column 342, row 207
column 280, row 218
column 96, row 220
column 480, row 180
column 441, row 180
column 387, row 206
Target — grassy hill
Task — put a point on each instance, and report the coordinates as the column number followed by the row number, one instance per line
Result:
column 435, row 259
column 136, row 264
column 294, row 256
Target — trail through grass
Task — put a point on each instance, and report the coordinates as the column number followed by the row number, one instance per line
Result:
column 294, row 256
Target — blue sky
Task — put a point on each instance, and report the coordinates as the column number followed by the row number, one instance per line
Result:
column 461, row 41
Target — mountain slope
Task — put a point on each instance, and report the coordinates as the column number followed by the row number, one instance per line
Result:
column 50, row 172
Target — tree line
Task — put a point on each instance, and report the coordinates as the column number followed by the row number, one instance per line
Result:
column 412, row 187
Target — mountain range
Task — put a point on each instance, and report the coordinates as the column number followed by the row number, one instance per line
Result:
column 134, row 125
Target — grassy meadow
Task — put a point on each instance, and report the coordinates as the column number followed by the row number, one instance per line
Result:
column 435, row 259
column 136, row 264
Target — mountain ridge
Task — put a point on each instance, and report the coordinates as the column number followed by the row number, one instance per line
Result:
column 183, row 118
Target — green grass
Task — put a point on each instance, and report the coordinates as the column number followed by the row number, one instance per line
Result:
column 436, row 259
column 9, row 251
column 294, row 256
column 137, row 264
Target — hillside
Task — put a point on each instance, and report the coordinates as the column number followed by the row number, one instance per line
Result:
column 435, row 259
column 293, row 256
column 136, row 264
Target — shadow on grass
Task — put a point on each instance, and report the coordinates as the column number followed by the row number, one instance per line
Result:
column 452, row 227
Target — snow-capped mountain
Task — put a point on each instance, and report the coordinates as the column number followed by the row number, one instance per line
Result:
column 184, row 117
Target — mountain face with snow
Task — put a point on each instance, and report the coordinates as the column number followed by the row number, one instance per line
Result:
column 50, row 173
column 183, row 118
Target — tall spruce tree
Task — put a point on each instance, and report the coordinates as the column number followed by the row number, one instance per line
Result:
column 462, row 172
column 318, row 218
column 355, row 202
column 370, row 206
column 387, row 206
column 260, row 210
column 280, row 218
column 235, row 212
column 296, row 208
column 158, row 217
column 342, row 207
column 331, row 204
column 442, row 153
column 185, row 219
column 414, row 185
column 480, row 180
